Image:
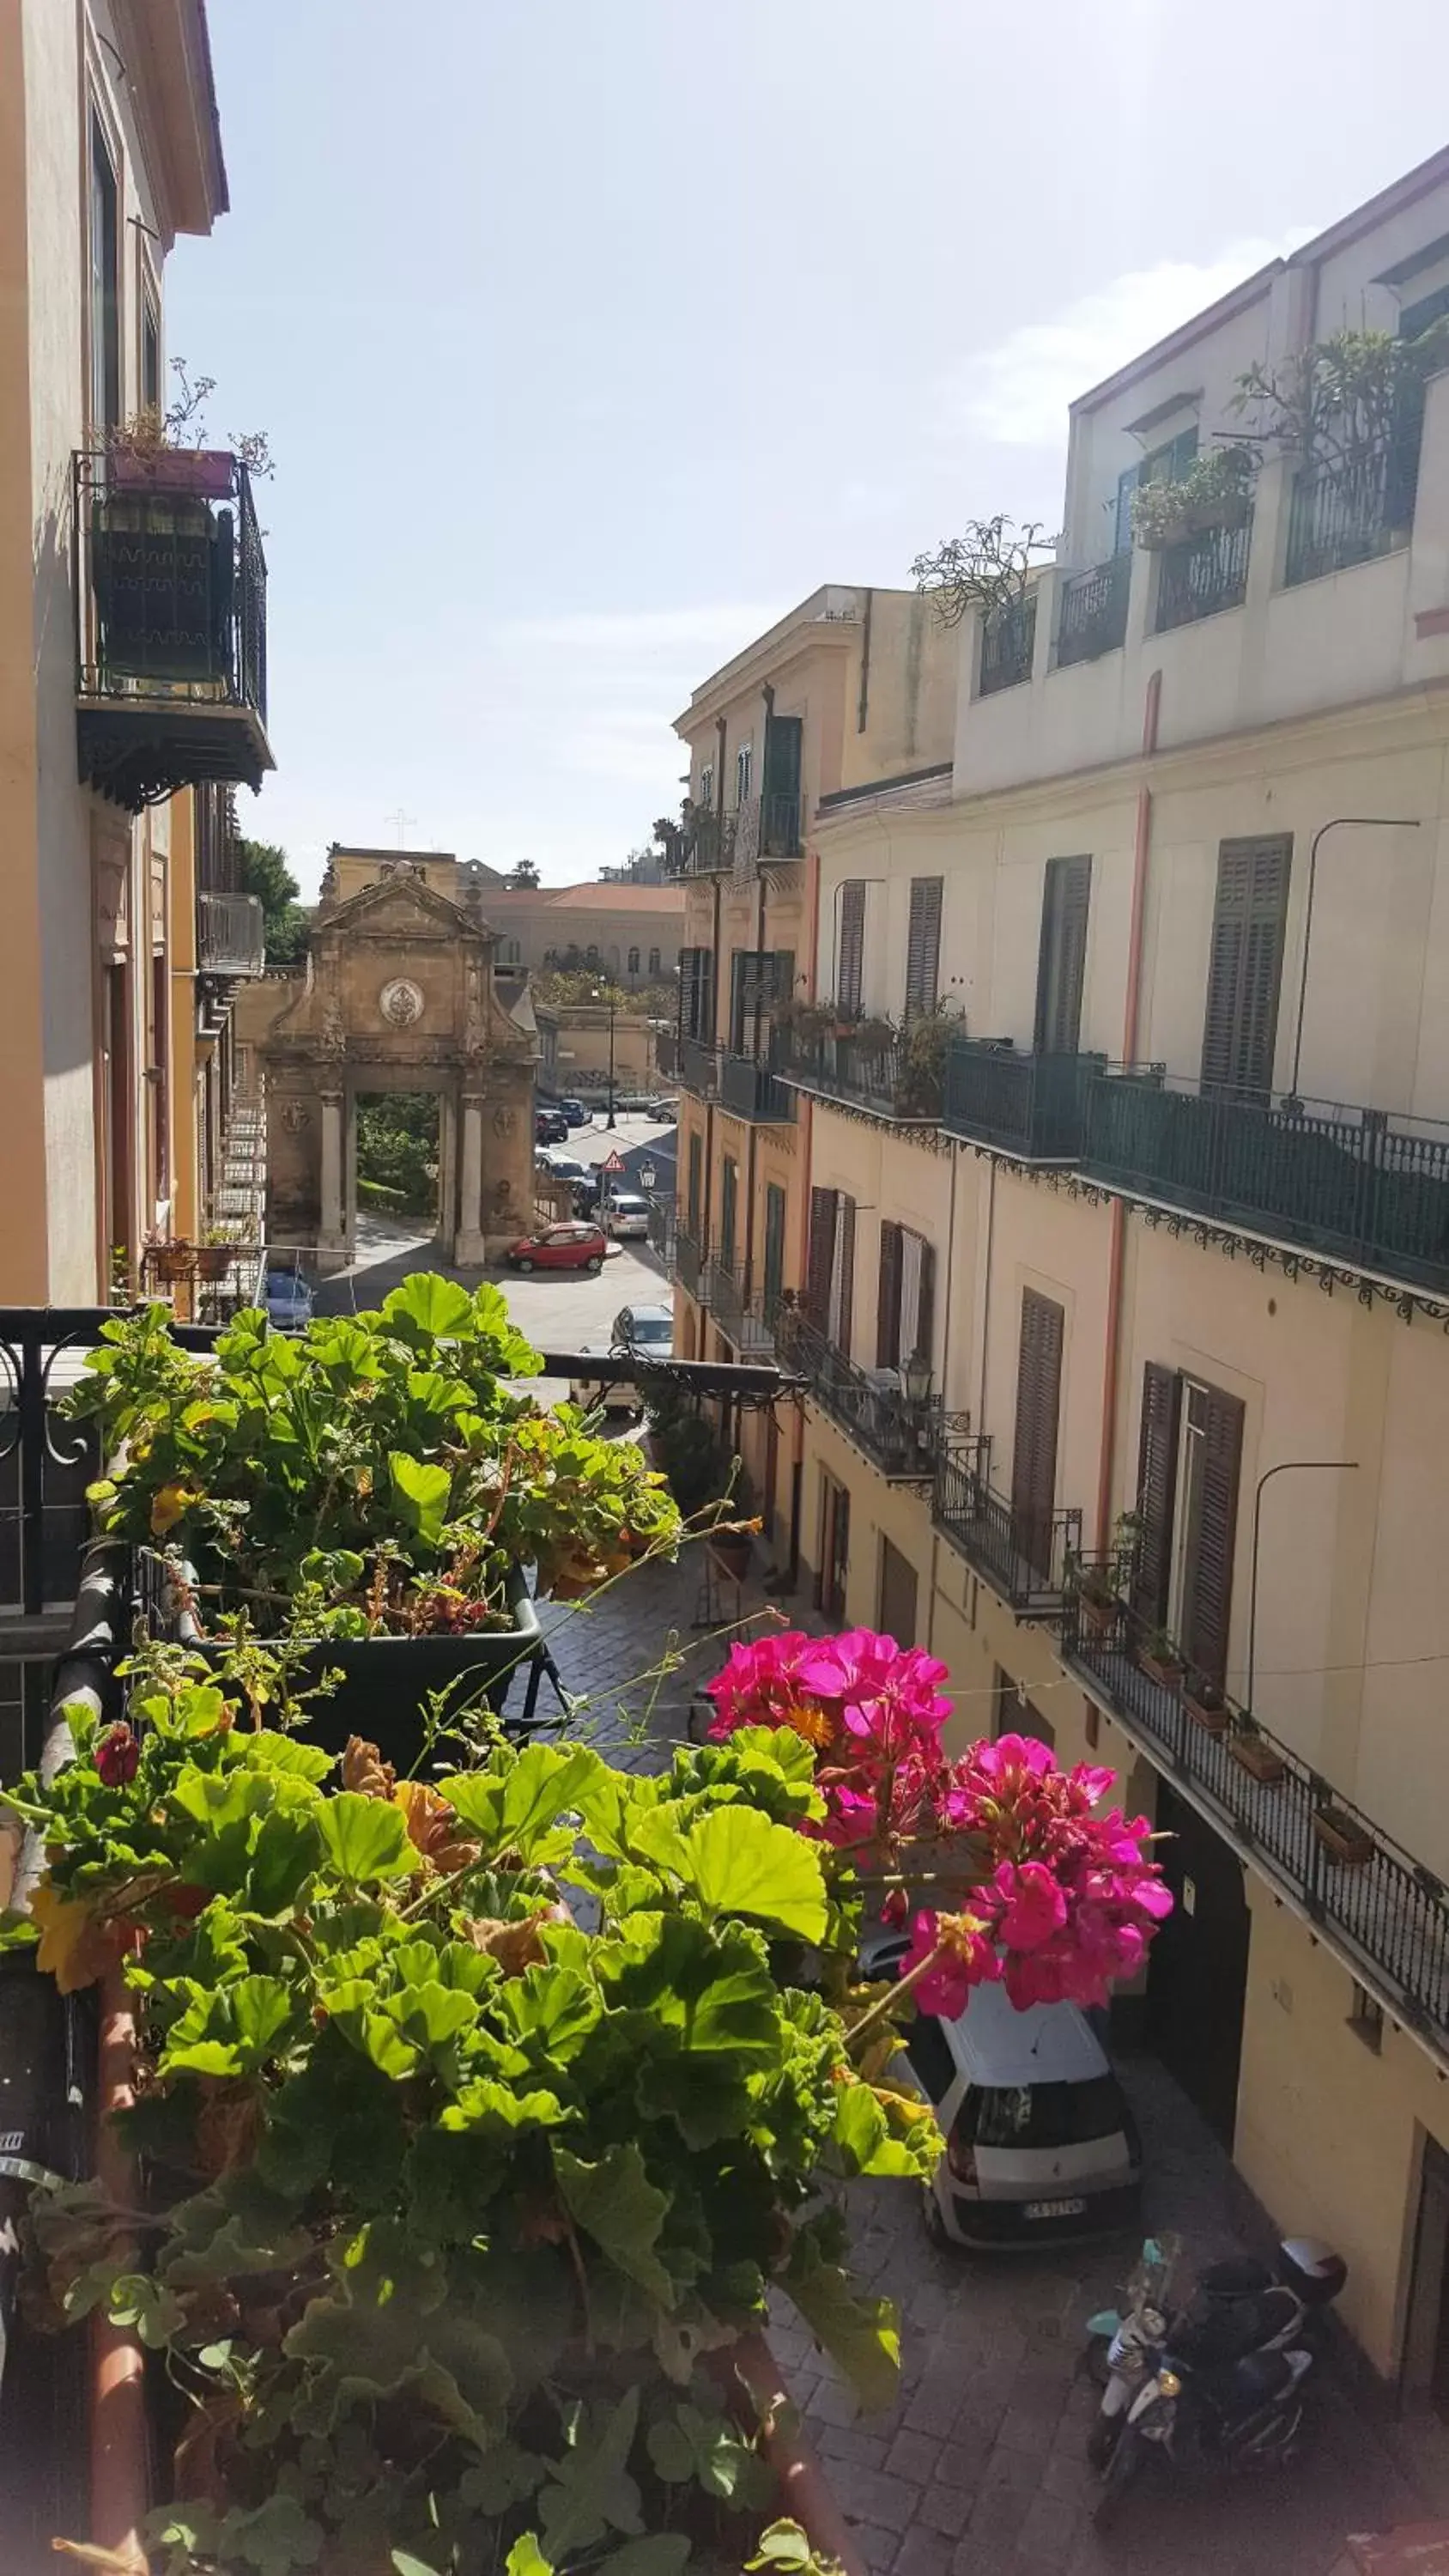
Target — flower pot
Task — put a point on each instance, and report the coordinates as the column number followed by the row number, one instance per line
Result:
column 1167, row 1669
column 731, row 1551
column 1099, row 1618
column 1342, row 1837
column 1258, row 1759
column 205, row 473
column 172, row 1261
column 1210, row 1715
column 214, row 1260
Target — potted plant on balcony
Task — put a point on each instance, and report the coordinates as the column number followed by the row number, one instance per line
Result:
column 925, row 1039
column 1159, row 1658
column 1253, row 1753
column 1342, row 1836
column 171, row 1261
column 874, row 1035
column 1215, row 493
column 1099, row 1586
column 804, row 1023
column 165, row 450
column 216, row 1253
column 373, row 1487
column 1205, row 1704
column 458, row 2219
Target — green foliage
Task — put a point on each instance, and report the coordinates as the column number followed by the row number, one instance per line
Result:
column 266, row 873
column 373, row 1474
column 1216, row 491
column 1342, row 401
column 397, row 1148
column 452, row 2194
column 689, row 1449
column 568, row 986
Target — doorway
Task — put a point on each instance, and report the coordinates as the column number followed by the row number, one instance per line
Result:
column 1426, row 2338
column 398, row 1160
column 897, row 1617
column 1198, row 1964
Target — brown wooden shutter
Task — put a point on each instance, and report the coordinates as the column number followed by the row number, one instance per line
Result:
column 821, row 1255
column 1062, row 963
column 850, row 952
column 696, row 1183
column 888, row 1301
column 1209, row 1594
column 926, row 1307
column 845, row 1308
column 923, row 946
column 1038, row 1409
column 1245, row 966
column 1156, row 1490
column 696, row 993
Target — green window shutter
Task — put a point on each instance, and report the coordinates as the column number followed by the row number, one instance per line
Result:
column 728, row 1196
column 888, row 1297
column 821, row 1256
column 774, row 1247
column 850, row 951
column 1062, row 962
column 1245, row 967
column 695, row 1191
column 780, row 812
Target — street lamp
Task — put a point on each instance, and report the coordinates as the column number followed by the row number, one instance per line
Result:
column 916, row 1380
column 1284, row 1467
column 647, row 1177
column 611, row 1120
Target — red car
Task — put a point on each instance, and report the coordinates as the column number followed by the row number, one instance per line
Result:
column 560, row 1247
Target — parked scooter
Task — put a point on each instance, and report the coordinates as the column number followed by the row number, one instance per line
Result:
column 1244, row 2414
column 1236, row 2308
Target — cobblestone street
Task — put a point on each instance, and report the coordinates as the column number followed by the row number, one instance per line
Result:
column 979, row 2469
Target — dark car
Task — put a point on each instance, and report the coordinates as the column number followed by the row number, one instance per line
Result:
column 575, row 1112
column 550, row 1127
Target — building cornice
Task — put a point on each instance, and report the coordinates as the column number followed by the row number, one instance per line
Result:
column 165, row 46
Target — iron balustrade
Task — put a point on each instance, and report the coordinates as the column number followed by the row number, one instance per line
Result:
column 689, row 1258
column 1025, row 1556
column 706, row 845
column 780, row 825
column 699, row 1066
column 751, row 1088
column 1355, row 508
column 231, row 934
column 1030, row 1106
column 739, row 1314
column 1094, row 611
column 1351, row 1183
column 1203, row 575
column 663, row 1233
column 1387, row 1913
column 1008, row 646
column 888, row 1080
column 897, row 1437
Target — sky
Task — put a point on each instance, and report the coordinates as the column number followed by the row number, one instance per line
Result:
column 589, row 338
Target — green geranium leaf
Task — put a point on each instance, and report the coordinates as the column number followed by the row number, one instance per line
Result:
column 433, row 2014
column 543, row 1783
column 616, row 2204
column 476, row 1797
column 428, row 1307
column 862, row 2335
column 273, row 2538
column 366, row 1838
column 660, row 2553
column 496, row 2110
column 525, row 2558
column 268, row 1751
column 591, row 2492
column 231, row 2031
column 862, row 2135
column 739, row 1863
column 420, row 1491
column 553, row 2007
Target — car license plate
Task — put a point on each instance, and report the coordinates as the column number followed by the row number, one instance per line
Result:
column 1053, row 2209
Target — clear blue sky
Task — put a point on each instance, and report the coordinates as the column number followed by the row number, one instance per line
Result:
column 590, row 337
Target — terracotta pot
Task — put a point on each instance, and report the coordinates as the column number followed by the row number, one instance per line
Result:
column 1212, row 1718
column 1343, row 1838
column 172, row 1261
column 1258, row 1759
column 1099, row 1618
column 204, row 473
column 214, row 1260
column 1165, row 1669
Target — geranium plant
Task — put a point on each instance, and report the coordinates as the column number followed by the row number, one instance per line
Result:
column 453, row 2209
column 376, row 1474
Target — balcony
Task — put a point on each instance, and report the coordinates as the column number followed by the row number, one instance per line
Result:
column 1031, row 1107
column 1094, row 611
column 688, row 1261
column 1025, row 1557
column 231, row 934
column 171, row 642
column 1008, row 647
column 1203, row 575
column 699, row 1067
column 750, row 1088
column 867, row 1404
column 780, row 826
column 1341, row 1182
column 1350, row 511
column 887, row 1077
column 740, row 1316
column 706, row 846
column 1386, row 1914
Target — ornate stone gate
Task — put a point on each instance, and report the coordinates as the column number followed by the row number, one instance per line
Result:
column 399, row 993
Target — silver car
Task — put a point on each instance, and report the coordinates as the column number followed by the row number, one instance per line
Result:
column 643, row 1331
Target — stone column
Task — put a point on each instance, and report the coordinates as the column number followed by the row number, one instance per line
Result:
column 332, row 1238
column 470, row 1252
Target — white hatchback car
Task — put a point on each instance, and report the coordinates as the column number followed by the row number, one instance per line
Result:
column 1041, row 2145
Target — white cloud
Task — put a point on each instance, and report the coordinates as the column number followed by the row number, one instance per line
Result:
column 1017, row 393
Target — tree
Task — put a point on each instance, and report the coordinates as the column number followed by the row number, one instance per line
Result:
column 522, row 877
column 266, row 874
column 988, row 568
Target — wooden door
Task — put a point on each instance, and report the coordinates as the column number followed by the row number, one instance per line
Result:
column 897, row 1598
column 1038, row 1409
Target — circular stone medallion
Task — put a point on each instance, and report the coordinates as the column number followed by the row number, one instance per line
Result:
column 401, row 1002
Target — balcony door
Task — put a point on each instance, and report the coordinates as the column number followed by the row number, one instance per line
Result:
column 696, row 993
column 923, row 947
column 780, row 821
column 1190, row 1464
column 1062, row 962
column 906, row 1304
column 1245, row 966
column 850, row 948
column 834, row 1547
column 830, row 1274
column 774, row 1279
column 897, row 1596
column 1038, row 1413
column 729, row 1182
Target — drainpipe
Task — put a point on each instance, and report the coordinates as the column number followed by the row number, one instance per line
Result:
column 862, row 708
column 1131, row 1018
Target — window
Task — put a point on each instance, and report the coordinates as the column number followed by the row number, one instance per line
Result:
column 929, row 2052
column 591, row 956
column 105, row 315
column 150, row 350
column 1245, row 965
column 633, row 961
column 1038, row 1409
column 834, row 1547
column 906, row 1303
column 654, row 964
column 696, row 993
column 896, row 1606
column 780, row 822
column 923, row 947
column 1189, row 1460
column 1012, row 1713
column 850, row 947
column 830, row 1275
column 744, row 765
column 706, row 786
column 774, row 1249
column 758, row 978
column 1166, row 464
column 728, row 1205
column 1062, row 962
column 1041, row 2115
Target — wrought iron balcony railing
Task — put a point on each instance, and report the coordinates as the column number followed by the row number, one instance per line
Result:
column 1361, row 506
column 1348, row 1183
column 780, row 826
column 1094, row 611
column 699, row 1067
column 899, row 1438
column 1029, row 1106
column 171, row 637
column 750, row 1088
column 740, row 1315
column 891, row 1080
column 689, row 1259
column 1025, row 1556
column 1202, row 575
column 231, row 934
column 1008, row 646
column 1386, row 1913
column 706, row 846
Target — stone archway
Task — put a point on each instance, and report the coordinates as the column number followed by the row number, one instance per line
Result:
column 399, row 993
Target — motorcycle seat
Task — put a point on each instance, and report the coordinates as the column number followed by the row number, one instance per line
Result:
column 1215, row 2331
column 1240, row 2277
column 1259, row 2378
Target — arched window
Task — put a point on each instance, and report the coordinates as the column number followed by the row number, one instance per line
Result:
column 591, row 954
column 653, row 960
column 633, row 961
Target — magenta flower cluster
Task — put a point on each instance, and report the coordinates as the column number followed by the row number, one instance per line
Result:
column 1055, row 1899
